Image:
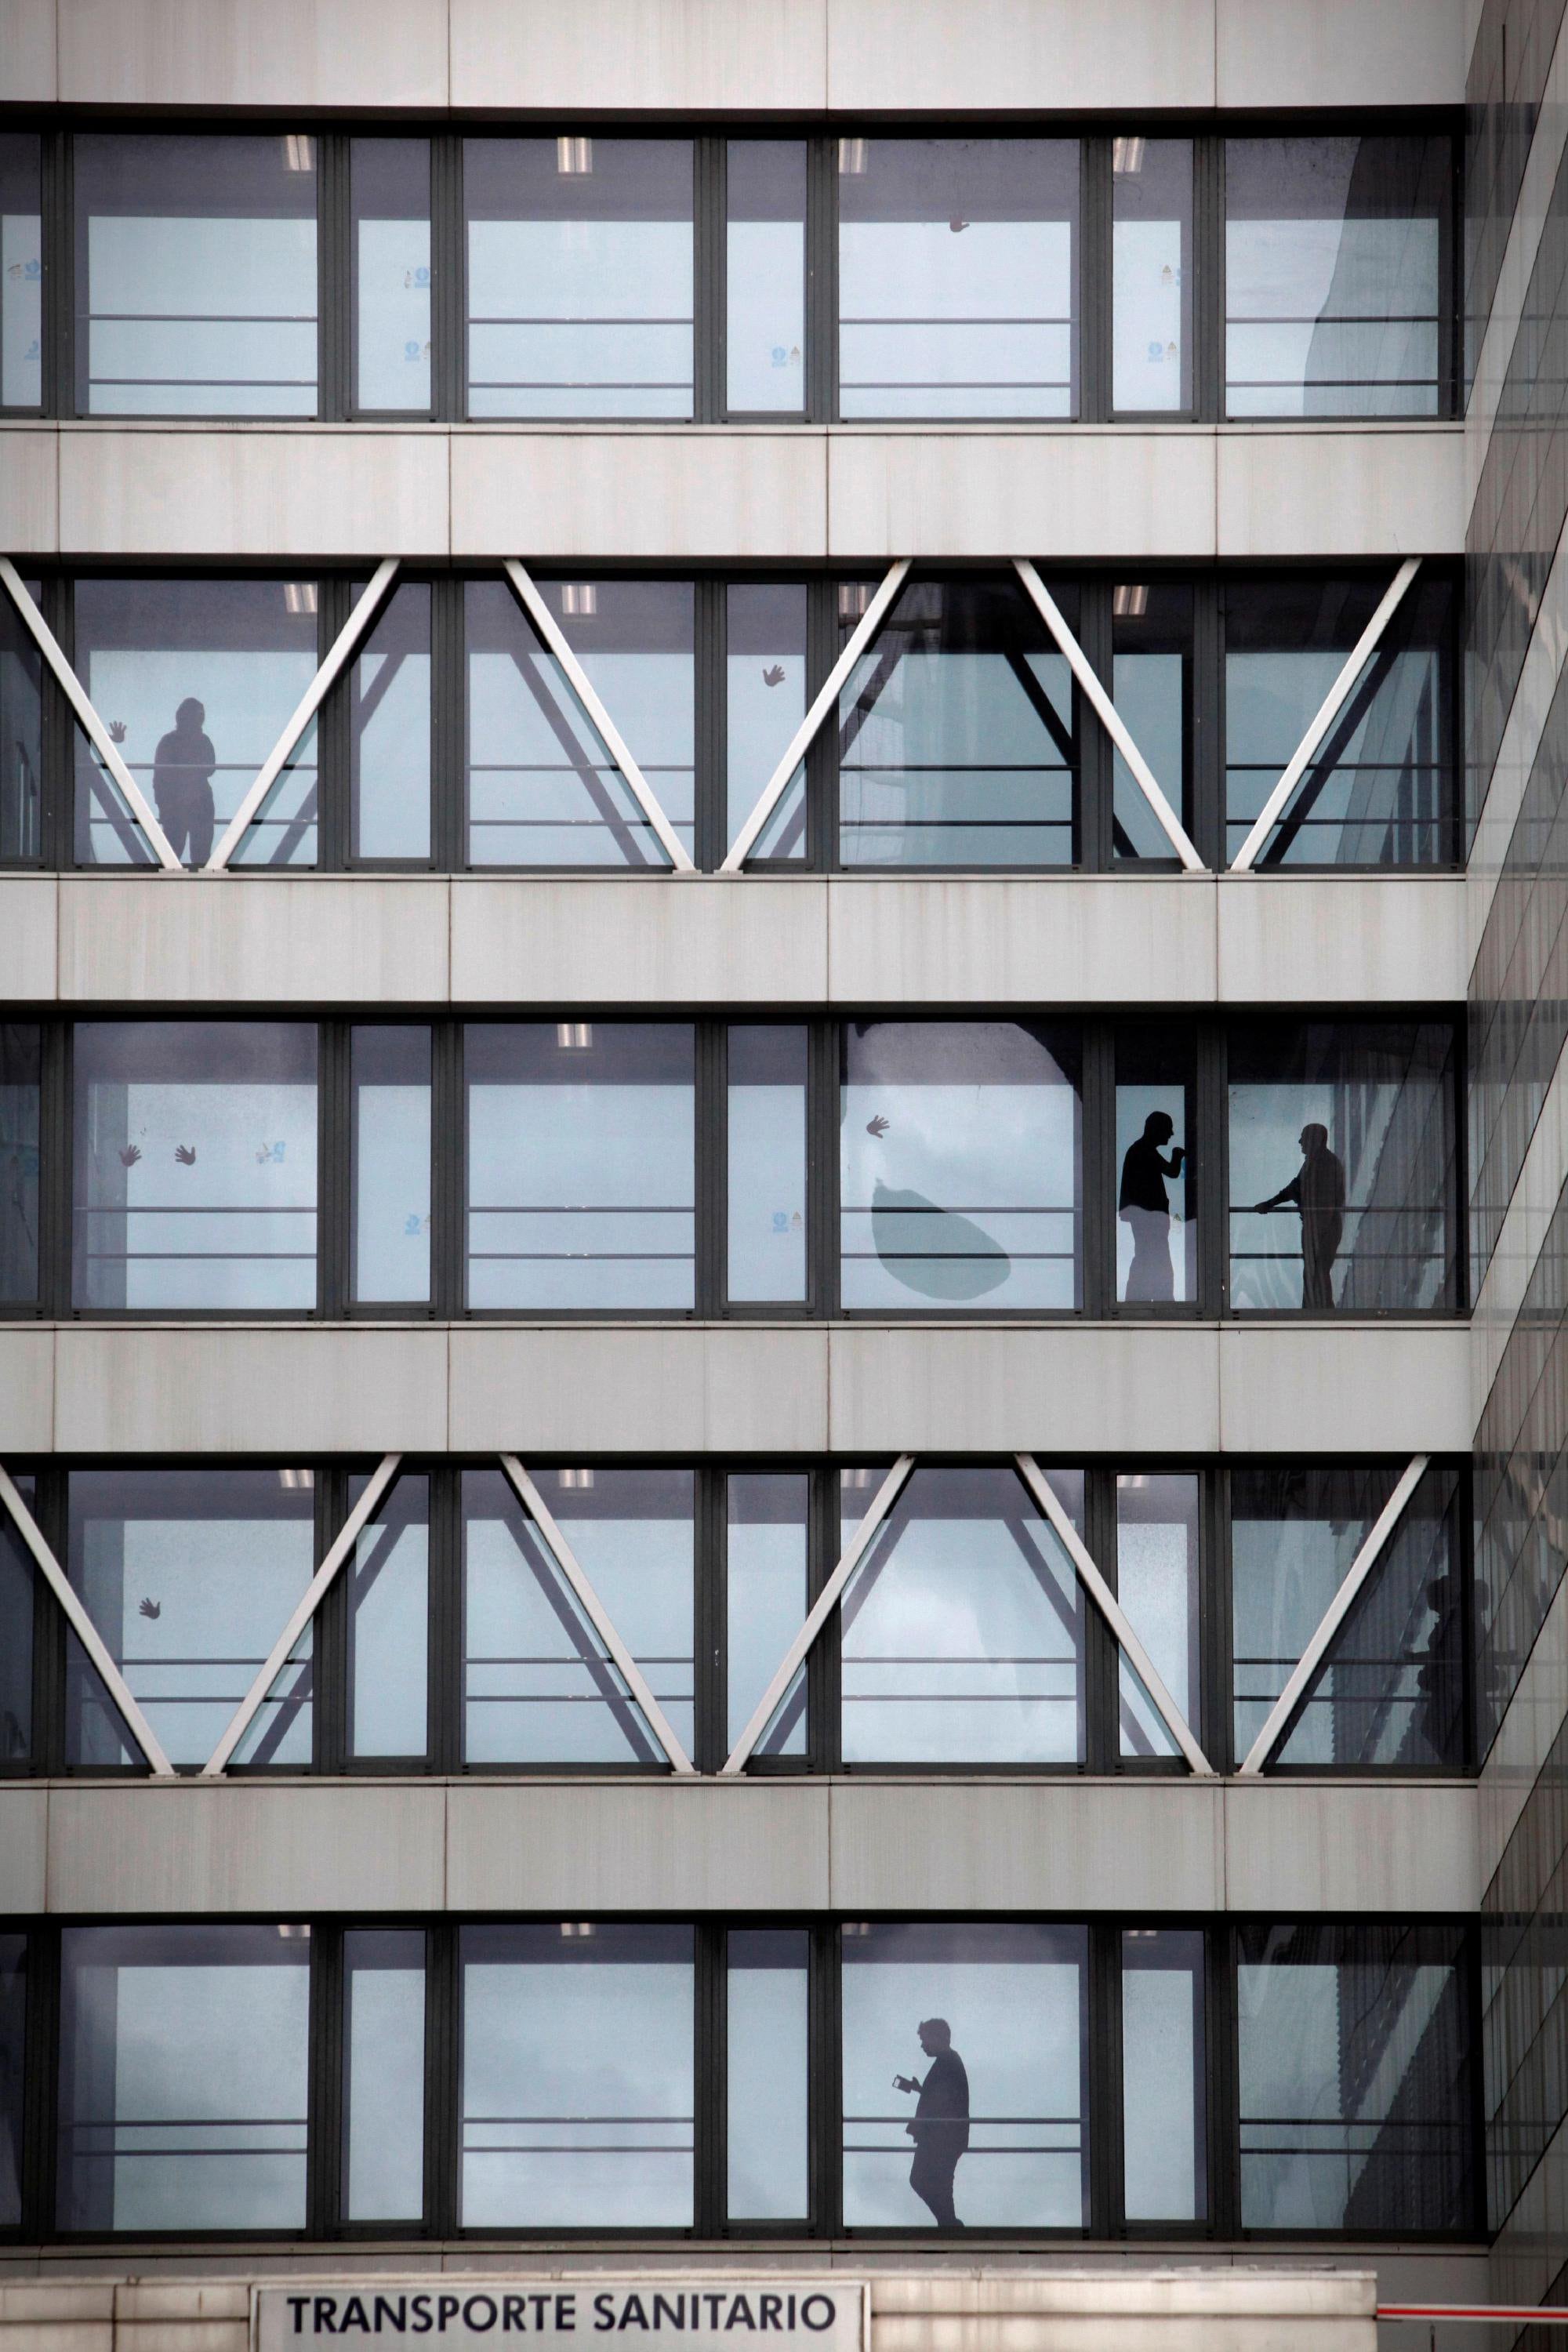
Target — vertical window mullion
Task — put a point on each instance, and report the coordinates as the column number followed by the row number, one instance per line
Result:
column 822, row 1169
column 1092, row 291
column 1223, row 2085
column 41, row 2067
column 56, row 1153
column 1213, row 1172
column 449, row 728
column 708, row 2103
column 821, row 386
column 1107, row 2201
column 328, row 1632
column 1217, row 1710
column 50, row 1499
column 1101, row 1659
column 713, row 1239
column 446, row 1620
column 709, row 176
column 58, row 320
column 1097, row 1177
column 448, row 1144
column 1096, row 764
column 710, row 784
column 822, row 756
column 58, row 826
column 1208, row 722
column 333, row 1181
column 333, row 277
column 443, row 2045
column 1208, row 295
column 325, row 2126
column 448, row 366
column 335, row 597
column 711, row 1615
column 827, row 2083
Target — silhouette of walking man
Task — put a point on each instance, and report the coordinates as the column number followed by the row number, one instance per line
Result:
column 1318, row 1190
column 941, row 2126
column 1143, row 1204
column 183, row 769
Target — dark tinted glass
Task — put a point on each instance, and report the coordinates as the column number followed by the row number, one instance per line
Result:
column 389, row 181
column 12, row 2025
column 21, row 735
column 21, row 272
column 20, row 1053
column 17, row 1585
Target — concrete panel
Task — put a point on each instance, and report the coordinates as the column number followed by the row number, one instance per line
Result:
column 1534, row 1716
column 979, row 55
column 253, row 939
column 294, row 53
column 27, row 57
column 582, row 1847
column 1061, row 939
column 690, row 55
column 300, row 1390
column 285, row 1848
column 30, row 490
column 665, row 492
column 1059, row 1390
column 1048, row 491
column 252, row 491
column 54, row 2316
column 1394, row 1846
column 27, row 943
column 646, row 940
column 632, row 1388
column 1366, row 1388
column 910, row 1847
column 26, row 1389
column 1341, row 490
column 1345, row 940
column 1340, row 53
column 23, row 1849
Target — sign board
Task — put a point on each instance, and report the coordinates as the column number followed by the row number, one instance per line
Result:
column 673, row 2312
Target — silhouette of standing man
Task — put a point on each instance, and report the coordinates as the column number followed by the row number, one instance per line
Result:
column 1318, row 1190
column 183, row 769
column 941, row 2126
column 1144, row 1205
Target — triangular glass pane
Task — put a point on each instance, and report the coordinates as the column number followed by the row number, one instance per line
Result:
column 766, row 1572
column 765, row 700
column 100, row 1741
column 284, row 830
column 280, row 1730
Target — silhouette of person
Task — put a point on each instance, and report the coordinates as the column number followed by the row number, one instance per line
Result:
column 1144, row 1205
column 183, row 769
column 941, row 2126
column 1318, row 1190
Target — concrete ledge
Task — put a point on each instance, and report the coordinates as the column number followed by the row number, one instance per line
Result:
column 726, row 492
column 1336, row 490
column 661, row 1387
column 1395, row 1846
column 640, row 940
column 294, row 53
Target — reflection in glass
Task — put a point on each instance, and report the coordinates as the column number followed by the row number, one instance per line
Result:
column 18, row 1579
column 580, row 277
column 764, row 277
column 766, row 1151
column 1355, row 2080
column 957, row 277
column 1163, row 2075
column 766, row 2044
column 184, row 2070
column 767, row 1572
column 1157, row 1585
column 543, row 788
column 1152, row 687
column 577, row 2076
column 384, row 2075
column 1152, row 264
column 956, row 741
column 962, row 1625
column 1156, row 1195
column 389, row 731
column 195, row 1165
column 959, row 1162
column 189, row 1576
column 1380, row 788
column 388, row 1585
column 21, row 272
column 20, row 1062
column 581, row 1164
column 1343, row 1176
column 537, row 1685
column 1334, row 257
column 389, row 182
column 997, row 2082
column 390, row 1079
column 21, row 733
column 195, row 680
column 195, row 275
column 765, row 703
column 12, row 2025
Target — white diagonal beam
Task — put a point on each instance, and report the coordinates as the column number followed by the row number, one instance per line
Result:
column 348, row 1535
column 598, row 1616
column 882, row 1502
column 1110, row 1609
column 84, row 1629
column 1109, row 717
column 804, row 735
column 582, row 685
column 315, row 694
column 1328, row 712
column 1333, row 1617
column 97, row 733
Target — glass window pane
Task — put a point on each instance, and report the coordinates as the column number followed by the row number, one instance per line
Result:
column 581, row 1165
column 1356, row 2092
column 184, row 2068
column 578, row 2076
column 19, row 1580
column 1152, row 264
column 189, row 1576
column 21, row 735
column 962, row 1628
column 1163, row 2074
column 390, row 259
column 537, row 1685
column 1380, row 790
column 389, row 731
column 765, row 1100
column 20, row 1062
column 384, row 2075
column 195, row 1165
column 765, row 703
column 1157, row 1585
column 196, row 273
column 389, row 1623
column 960, row 1165
column 957, row 277
column 766, row 1575
column 1342, row 1170
column 764, row 282
column 21, row 272
column 12, row 2025
column 195, row 680
column 992, row 2025
column 1152, row 687
column 1334, row 255
column 766, row 2048
column 956, row 741
column 580, row 277
column 390, row 1076
column 1156, row 1195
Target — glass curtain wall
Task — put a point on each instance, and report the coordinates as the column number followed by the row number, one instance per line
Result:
column 21, row 729
column 21, row 270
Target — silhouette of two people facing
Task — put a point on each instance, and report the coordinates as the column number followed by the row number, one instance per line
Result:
column 941, row 2126
column 182, row 769
column 1317, row 1191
